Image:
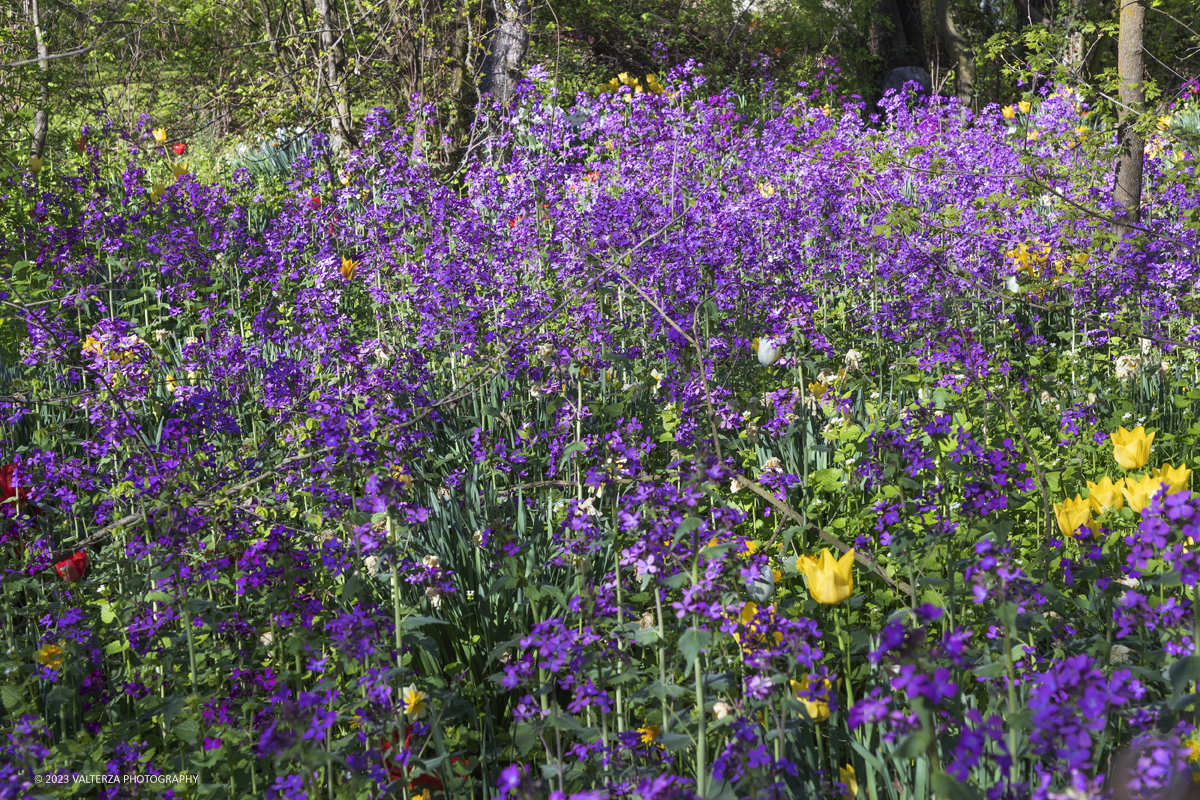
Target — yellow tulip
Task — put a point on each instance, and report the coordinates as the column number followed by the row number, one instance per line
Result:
column 1009, row 112
column 1176, row 478
column 35, row 164
column 1024, row 106
column 179, row 169
column 816, row 710
column 765, row 189
column 156, row 192
column 1139, row 493
column 348, row 268
column 50, row 655
column 818, row 389
column 160, row 135
column 1082, row 259
column 846, row 776
column 1072, row 514
column 830, row 580
column 1106, row 494
column 1131, row 449
column 1164, row 123
column 1032, row 136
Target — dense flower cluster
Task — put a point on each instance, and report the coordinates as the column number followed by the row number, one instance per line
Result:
column 663, row 453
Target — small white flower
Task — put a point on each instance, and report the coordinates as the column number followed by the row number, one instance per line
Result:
column 1120, row 654
column 853, row 359
column 1011, row 284
column 162, row 335
column 735, row 486
column 772, row 464
column 721, row 709
column 1127, row 366
column 432, row 561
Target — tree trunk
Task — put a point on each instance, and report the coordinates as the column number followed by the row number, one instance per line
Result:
column 271, row 35
column 960, row 50
column 41, row 118
column 1128, row 190
column 914, row 32
column 333, row 52
column 506, row 48
column 887, row 41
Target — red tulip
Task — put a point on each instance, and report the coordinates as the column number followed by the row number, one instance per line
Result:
column 180, row 149
column 315, row 201
column 80, row 143
column 397, row 772
column 72, row 569
column 6, row 487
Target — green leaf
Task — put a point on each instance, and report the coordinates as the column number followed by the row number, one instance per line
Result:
column 11, row 696
column 573, row 447
column 693, row 643
column 1183, row 674
column 673, row 742
column 416, row 622
column 187, row 730
column 646, row 636
column 687, row 526
column 945, row 787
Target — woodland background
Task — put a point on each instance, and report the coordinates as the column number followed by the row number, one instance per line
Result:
column 216, row 71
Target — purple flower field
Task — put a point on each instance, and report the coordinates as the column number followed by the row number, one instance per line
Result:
column 669, row 449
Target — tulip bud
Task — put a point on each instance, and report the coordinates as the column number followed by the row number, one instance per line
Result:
column 762, row 586
column 768, row 352
column 35, row 164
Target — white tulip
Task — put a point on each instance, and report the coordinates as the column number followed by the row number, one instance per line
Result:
column 768, row 352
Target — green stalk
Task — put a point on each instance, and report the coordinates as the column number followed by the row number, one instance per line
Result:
column 620, row 707
column 662, row 662
column 394, row 539
column 1012, row 698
